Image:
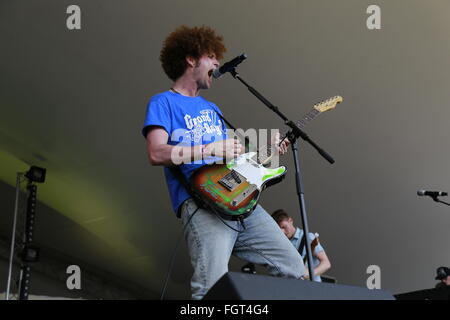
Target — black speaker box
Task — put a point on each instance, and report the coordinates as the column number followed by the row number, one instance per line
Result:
column 427, row 294
column 242, row 286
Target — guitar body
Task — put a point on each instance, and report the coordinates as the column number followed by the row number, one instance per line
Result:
column 233, row 189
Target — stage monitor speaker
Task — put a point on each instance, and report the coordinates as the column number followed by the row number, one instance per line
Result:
column 427, row 294
column 242, row 286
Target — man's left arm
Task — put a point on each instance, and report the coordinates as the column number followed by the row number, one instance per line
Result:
column 324, row 264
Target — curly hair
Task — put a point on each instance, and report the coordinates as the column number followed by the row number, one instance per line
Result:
column 189, row 42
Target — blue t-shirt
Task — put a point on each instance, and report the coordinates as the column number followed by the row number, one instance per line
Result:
column 189, row 121
column 297, row 239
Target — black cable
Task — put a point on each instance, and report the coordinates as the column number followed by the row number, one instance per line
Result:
column 281, row 141
column 261, row 254
column 172, row 259
column 223, row 221
column 243, row 243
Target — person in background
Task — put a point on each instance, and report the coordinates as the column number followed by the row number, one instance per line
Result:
column 321, row 263
column 443, row 275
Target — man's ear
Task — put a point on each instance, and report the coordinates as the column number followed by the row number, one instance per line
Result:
column 290, row 220
column 191, row 62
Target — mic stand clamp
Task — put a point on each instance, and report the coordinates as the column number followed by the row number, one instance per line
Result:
column 435, row 198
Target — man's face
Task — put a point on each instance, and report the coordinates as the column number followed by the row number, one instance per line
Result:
column 203, row 70
column 446, row 281
column 287, row 226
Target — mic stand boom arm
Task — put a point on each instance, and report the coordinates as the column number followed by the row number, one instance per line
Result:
column 293, row 136
column 295, row 131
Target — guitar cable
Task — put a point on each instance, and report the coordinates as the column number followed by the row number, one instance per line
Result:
column 250, row 247
column 243, row 243
column 223, row 221
column 172, row 259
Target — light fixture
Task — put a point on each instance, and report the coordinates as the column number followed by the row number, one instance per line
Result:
column 36, row 174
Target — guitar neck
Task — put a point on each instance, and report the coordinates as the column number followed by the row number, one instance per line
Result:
column 308, row 118
column 265, row 153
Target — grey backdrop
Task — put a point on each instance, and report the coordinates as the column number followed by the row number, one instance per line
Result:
column 74, row 102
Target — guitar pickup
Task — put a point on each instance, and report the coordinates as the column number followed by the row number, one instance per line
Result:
column 231, row 181
column 236, row 176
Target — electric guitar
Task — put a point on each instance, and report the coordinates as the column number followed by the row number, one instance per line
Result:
column 233, row 189
column 314, row 244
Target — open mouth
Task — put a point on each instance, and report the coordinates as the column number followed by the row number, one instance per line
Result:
column 210, row 72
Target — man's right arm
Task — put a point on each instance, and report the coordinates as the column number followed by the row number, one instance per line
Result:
column 162, row 154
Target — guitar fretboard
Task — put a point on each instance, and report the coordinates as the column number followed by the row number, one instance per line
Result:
column 265, row 153
column 308, row 117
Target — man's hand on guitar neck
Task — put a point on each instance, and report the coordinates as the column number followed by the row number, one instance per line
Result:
column 283, row 148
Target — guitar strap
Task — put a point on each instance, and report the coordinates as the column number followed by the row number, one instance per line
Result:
column 226, row 121
column 246, row 139
column 301, row 248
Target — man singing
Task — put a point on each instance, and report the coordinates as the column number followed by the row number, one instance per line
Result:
column 180, row 123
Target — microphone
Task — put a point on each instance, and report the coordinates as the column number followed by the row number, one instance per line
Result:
column 228, row 66
column 432, row 194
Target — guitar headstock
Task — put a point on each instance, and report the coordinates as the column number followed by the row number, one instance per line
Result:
column 315, row 242
column 328, row 104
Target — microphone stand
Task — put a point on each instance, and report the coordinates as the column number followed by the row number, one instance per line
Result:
column 440, row 201
column 293, row 136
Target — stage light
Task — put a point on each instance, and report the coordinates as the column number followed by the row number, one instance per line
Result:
column 30, row 253
column 36, row 174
